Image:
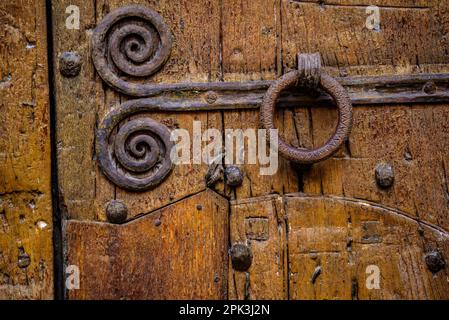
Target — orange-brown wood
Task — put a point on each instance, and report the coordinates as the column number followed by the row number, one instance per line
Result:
column 339, row 199
column 26, row 246
column 178, row 252
column 344, row 236
column 260, row 224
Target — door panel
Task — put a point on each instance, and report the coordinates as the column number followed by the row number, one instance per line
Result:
column 178, row 252
column 294, row 221
column 322, row 247
column 260, row 224
column 83, row 101
column 343, row 236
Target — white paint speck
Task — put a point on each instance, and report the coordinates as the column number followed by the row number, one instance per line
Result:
column 41, row 224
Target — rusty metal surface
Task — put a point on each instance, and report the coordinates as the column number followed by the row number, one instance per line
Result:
column 241, row 256
column 133, row 41
column 137, row 157
column 214, row 173
column 309, row 67
column 233, row 176
column 116, row 211
column 300, row 155
column 361, row 90
column 384, row 174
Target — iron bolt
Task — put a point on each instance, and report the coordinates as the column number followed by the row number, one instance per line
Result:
column 435, row 261
column 70, row 64
column 233, row 176
column 241, row 257
column 211, row 97
column 430, row 87
column 384, row 175
column 116, row 211
column 24, row 259
column 157, row 222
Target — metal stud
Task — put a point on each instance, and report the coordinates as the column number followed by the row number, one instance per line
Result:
column 241, row 257
column 211, row 97
column 384, row 175
column 233, row 176
column 435, row 261
column 116, row 211
column 429, row 87
column 70, row 64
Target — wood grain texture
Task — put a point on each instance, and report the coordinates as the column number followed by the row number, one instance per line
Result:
column 409, row 34
column 178, row 252
column 292, row 237
column 233, row 40
column 84, row 100
column 411, row 138
column 249, row 39
column 260, row 224
column 344, row 236
column 26, row 252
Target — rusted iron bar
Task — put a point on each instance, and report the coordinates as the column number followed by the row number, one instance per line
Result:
column 418, row 88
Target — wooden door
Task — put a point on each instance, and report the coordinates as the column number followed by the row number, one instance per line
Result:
column 319, row 231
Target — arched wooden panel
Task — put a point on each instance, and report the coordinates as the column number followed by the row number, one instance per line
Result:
column 326, row 247
column 342, row 237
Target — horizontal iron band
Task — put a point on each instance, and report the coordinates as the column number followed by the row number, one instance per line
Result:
column 418, row 88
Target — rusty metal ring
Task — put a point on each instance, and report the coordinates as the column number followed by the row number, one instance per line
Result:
column 342, row 100
column 132, row 41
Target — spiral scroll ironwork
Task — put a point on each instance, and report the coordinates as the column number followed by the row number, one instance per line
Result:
column 134, row 154
column 130, row 43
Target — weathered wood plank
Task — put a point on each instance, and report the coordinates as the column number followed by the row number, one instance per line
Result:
column 26, row 252
column 344, row 236
column 259, row 223
column 178, row 252
column 410, row 138
column 249, row 32
column 407, row 37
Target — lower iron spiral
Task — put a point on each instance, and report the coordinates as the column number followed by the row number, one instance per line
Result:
column 137, row 157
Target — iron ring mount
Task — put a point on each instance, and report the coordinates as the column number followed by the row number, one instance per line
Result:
column 132, row 43
column 343, row 102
